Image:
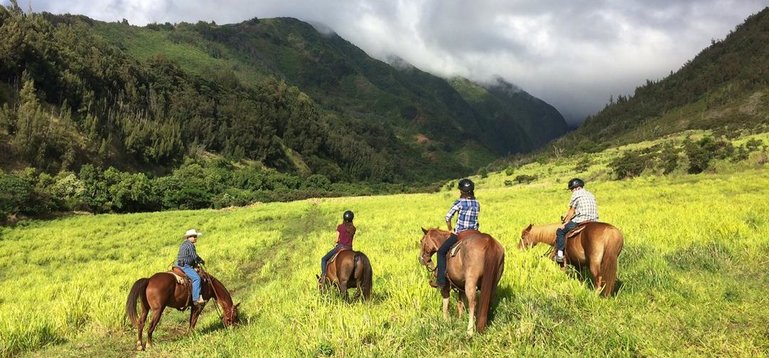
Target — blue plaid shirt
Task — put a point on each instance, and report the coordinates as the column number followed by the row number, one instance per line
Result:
column 468, row 214
column 187, row 254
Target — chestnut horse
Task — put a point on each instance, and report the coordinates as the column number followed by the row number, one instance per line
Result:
column 346, row 270
column 161, row 291
column 595, row 245
column 479, row 264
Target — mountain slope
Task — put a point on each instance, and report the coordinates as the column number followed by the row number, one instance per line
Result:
column 275, row 91
column 725, row 87
column 348, row 83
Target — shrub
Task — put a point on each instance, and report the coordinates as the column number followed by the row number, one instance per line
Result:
column 629, row 165
column 669, row 158
column 233, row 197
column 95, row 196
column 583, row 164
column 703, row 151
column 317, row 181
column 525, row 179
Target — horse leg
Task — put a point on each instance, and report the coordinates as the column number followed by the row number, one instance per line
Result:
column 595, row 271
column 461, row 303
column 142, row 320
column 445, row 293
column 470, row 286
column 358, row 289
column 156, row 313
column 194, row 315
column 343, row 290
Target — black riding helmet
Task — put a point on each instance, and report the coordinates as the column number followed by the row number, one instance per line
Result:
column 466, row 185
column 576, row 183
column 348, row 216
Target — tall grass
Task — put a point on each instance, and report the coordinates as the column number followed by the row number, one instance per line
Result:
column 692, row 270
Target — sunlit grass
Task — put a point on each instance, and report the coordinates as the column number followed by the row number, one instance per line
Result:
column 692, row 271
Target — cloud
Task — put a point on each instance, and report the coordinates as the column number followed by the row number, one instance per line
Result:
column 574, row 54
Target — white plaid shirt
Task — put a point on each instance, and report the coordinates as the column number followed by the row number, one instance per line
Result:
column 585, row 207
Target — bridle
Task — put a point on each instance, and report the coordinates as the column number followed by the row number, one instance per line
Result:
column 526, row 243
column 426, row 257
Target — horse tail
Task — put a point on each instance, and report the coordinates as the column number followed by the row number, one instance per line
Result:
column 136, row 291
column 367, row 274
column 493, row 265
column 609, row 262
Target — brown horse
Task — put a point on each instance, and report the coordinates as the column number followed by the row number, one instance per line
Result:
column 346, row 270
column 161, row 291
column 594, row 245
column 479, row 264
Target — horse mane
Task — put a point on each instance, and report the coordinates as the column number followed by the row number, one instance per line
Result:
column 220, row 292
column 544, row 232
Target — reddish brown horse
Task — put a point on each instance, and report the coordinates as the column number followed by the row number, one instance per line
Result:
column 346, row 270
column 594, row 245
column 161, row 291
column 479, row 264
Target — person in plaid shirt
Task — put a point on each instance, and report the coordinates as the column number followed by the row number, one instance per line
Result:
column 467, row 219
column 582, row 208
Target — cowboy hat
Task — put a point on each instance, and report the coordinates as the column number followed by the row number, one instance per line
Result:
column 191, row 232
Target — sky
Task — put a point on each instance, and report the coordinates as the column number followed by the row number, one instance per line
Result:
column 573, row 54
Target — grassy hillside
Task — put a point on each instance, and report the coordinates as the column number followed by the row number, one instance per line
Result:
column 693, row 273
column 723, row 88
column 273, row 91
column 345, row 81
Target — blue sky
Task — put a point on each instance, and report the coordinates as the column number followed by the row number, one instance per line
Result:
column 574, row 54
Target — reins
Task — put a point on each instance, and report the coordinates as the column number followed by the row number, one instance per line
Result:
column 213, row 288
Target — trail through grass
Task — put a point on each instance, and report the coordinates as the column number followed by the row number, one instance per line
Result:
column 692, row 271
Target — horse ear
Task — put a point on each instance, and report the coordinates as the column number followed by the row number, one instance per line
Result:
column 237, row 305
column 424, row 230
column 528, row 228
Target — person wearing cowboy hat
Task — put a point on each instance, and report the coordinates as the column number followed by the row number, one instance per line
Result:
column 187, row 260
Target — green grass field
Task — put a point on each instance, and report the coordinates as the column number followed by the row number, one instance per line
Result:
column 693, row 274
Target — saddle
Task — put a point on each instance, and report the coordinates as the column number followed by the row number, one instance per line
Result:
column 184, row 280
column 181, row 277
column 461, row 238
column 335, row 255
column 578, row 229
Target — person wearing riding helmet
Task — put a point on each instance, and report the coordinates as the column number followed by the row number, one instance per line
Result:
column 468, row 209
column 582, row 208
column 346, row 231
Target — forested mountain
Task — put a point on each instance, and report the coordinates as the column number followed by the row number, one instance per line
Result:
column 725, row 88
column 273, row 91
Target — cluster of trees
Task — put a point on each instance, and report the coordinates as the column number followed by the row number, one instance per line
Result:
column 697, row 155
column 194, row 185
column 68, row 98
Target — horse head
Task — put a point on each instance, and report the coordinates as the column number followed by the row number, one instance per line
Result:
column 218, row 292
column 527, row 239
column 428, row 246
column 230, row 316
